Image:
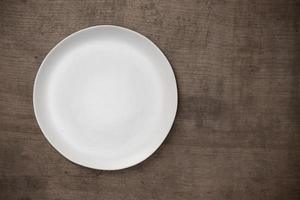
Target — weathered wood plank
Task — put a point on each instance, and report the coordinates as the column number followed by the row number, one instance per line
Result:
column 237, row 132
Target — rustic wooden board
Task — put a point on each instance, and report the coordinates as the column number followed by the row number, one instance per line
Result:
column 237, row 132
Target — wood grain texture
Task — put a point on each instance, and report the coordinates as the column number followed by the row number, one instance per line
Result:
column 237, row 132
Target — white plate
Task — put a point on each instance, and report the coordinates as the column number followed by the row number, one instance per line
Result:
column 105, row 97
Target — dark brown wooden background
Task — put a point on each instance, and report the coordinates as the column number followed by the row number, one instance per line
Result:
column 237, row 132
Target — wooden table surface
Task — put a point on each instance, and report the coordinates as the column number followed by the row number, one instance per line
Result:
column 237, row 131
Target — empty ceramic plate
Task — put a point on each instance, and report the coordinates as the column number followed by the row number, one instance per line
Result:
column 105, row 97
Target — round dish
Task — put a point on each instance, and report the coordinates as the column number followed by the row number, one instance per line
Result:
column 105, row 97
